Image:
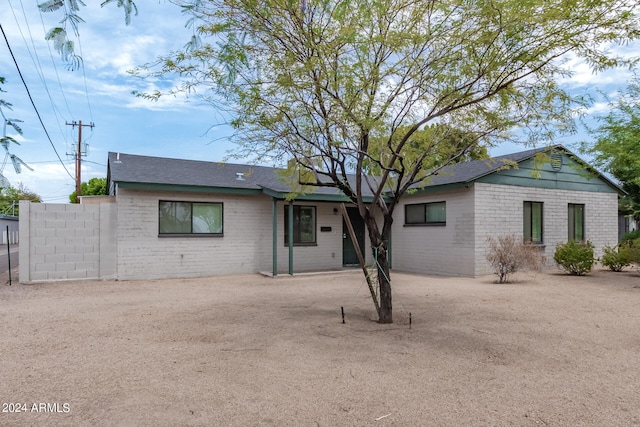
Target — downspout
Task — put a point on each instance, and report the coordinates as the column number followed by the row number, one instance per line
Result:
column 291, row 238
column 275, row 237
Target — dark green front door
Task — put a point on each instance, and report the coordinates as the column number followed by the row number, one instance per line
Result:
column 349, row 256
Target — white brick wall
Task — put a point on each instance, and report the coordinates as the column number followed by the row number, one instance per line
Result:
column 245, row 247
column 436, row 249
column 66, row 242
column 490, row 210
column 63, row 242
column 499, row 211
column 326, row 255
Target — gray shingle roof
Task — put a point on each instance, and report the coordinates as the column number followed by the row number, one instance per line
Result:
column 128, row 168
column 472, row 170
column 159, row 170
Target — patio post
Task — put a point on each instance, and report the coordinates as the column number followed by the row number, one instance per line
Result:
column 275, row 237
column 291, row 238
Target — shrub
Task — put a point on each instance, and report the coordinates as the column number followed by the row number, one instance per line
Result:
column 508, row 254
column 617, row 257
column 631, row 235
column 575, row 257
column 634, row 250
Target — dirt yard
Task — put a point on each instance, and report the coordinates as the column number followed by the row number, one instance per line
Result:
column 249, row 350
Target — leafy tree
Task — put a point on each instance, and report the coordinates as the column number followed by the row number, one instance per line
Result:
column 5, row 139
column 346, row 86
column 10, row 196
column 70, row 22
column 95, row 187
column 617, row 146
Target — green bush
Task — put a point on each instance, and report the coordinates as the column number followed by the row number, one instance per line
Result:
column 632, row 235
column 634, row 250
column 575, row 258
column 617, row 257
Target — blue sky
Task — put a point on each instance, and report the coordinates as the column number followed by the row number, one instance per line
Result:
column 101, row 93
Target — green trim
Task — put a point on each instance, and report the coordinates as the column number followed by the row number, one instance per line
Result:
column 186, row 188
column 273, row 193
column 275, row 237
column 314, row 197
column 573, row 174
column 445, row 187
column 291, row 238
column 325, row 198
column 595, row 186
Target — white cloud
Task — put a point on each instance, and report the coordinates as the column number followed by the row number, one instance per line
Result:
column 583, row 76
column 598, row 108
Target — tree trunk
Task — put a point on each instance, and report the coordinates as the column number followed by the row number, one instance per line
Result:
column 386, row 309
column 379, row 242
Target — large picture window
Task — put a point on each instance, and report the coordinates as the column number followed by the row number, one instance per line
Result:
column 426, row 214
column 576, row 222
column 533, row 222
column 304, row 225
column 190, row 218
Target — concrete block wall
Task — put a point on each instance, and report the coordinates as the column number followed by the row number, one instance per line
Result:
column 66, row 242
column 436, row 249
column 327, row 253
column 499, row 211
column 245, row 246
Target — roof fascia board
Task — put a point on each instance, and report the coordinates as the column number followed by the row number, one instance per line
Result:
column 312, row 197
column 443, row 187
column 186, row 188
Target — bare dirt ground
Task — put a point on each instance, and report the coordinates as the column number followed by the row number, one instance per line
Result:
column 248, row 350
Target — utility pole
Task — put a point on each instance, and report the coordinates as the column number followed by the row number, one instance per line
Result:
column 78, row 156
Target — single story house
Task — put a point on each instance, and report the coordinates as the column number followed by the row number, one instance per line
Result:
column 183, row 218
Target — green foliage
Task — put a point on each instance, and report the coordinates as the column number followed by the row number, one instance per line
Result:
column 575, row 258
column 509, row 254
column 631, row 235
column 11, row 196
column 618, row 257
column 70, row 17
column 617, row 150
column 349, row 86
column 95, row 187
column 455, row 146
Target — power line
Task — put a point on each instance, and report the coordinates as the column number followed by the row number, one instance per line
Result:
column 33, row 103
column 37, row 65
column 53, row 62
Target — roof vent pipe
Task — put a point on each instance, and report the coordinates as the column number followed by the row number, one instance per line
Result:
column 239, row 176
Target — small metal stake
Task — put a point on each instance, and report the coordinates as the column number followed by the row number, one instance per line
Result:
column 342, row 309
column 9, row 254
column 409, row 320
